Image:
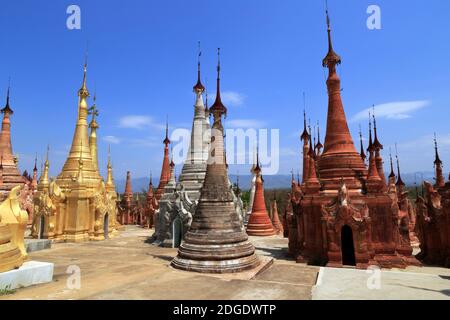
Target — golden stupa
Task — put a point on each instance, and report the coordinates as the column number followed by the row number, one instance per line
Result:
column 78, row 205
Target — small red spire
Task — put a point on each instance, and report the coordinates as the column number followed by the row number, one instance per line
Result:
column 259, row 223
column 7, row 109
column 437, row 160
column 319, row 145
column 400, row 182
column 376, row 143
column 362, row 153
column 165, row 170
column 166, row 140
column 150, row 186
column 278, row 226
column 305, row 134
column 392, row 174
column 373, row 172
column 440, row 180
column 370, row 146
column 128, row 190
column 311, row 149
column 332, row 58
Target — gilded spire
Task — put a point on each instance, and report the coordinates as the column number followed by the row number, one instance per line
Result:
column 93, row 135
column 218, row 107
column 81, row 145
column 80, row 165
column 94, row 112
column 43, row 180
column 34, row 181
column 83, row 92
column 110, row 179
column 199, row 88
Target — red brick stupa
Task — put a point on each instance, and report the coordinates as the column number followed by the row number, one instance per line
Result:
column 165, row 171
column 259, row 223
column 10, row 176
column 127, row 206
column 278, row 226
column 150, row 205
column 343, row 214
column 216, row 241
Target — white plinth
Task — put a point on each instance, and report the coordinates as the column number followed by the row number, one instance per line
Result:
column 30, row 273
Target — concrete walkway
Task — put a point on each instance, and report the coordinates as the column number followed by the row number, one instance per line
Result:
column 351, row 284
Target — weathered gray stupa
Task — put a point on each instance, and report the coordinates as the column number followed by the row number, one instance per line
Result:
column 178, row 204
column 216, row 241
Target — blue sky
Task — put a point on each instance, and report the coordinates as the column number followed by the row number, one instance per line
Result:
column 142, row 64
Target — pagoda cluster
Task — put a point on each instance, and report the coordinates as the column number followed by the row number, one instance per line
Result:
column 135, row 210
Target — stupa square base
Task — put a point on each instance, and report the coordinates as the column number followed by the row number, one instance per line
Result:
column 29, row 274
column 248, row 274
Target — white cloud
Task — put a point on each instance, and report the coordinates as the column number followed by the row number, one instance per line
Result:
column 427, row 143
column 244, row 123
column 393, row 110
column 111, row 139
column 139, row 122
column 230, row 98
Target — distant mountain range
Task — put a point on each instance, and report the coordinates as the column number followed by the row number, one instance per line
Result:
column 270, row 182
